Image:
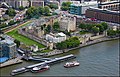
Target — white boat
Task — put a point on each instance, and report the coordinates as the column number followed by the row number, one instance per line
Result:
column 40, row 68
column 71, row 64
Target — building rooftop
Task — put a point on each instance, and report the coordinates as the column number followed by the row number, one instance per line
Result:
column 57, row 34
column 61, row 34
column 109, row 2
column 105, row 11
column 85, row 3
column 7, row 39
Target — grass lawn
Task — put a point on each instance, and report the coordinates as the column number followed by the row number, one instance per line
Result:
column 23, row 39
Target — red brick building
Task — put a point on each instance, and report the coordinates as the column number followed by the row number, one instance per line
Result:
column 104, row 15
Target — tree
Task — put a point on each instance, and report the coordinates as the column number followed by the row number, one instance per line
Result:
column 113, row 33
column 53, row 6
column 82, row 26
column 11, row 22
column 10, row 12
column 48, row 29
column 46, row 10
column 3, row 25
column 21, row 8
column 41, row 10
column 69, row 43
column 66, row 6
column 31, row 12
column 56, row 26
column 118, row 33
column 95, row 29
column 105, row 25
column 74, row 38
column 17, row 42
column 101, row 27
column 0, row 32
column 64, row 45
column 89, row 27
column 36, row 13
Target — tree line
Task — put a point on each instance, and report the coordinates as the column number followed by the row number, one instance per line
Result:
column 65, row 6
column 37, row 11
column 113, row 33
column 69, row 43
column 94, row 28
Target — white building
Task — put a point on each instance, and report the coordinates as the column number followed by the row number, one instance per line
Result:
column 55, row 38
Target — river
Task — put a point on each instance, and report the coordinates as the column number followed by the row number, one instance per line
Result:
column 100, row 59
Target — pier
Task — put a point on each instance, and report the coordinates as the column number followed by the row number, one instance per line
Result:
column 25, row 57
column 52, row 61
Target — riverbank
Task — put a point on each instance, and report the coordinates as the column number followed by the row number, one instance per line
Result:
column 56, row 52
column 100, row 59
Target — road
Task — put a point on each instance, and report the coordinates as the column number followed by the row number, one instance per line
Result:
column 15, row 27
column 21, row 13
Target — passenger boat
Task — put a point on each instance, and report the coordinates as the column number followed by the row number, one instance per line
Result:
column 71, row 64
column 22, row 70
column 40, row 69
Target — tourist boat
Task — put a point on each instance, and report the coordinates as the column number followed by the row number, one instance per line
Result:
column 40, row 69
column 71, row 64
column 18, row 71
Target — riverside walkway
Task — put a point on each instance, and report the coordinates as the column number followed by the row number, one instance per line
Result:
column 56, row 52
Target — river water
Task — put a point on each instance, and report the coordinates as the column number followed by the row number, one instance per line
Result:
column 100, row 59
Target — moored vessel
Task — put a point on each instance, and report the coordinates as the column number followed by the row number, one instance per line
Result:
column 40, row 69
column 18, row 71
column 71, row 64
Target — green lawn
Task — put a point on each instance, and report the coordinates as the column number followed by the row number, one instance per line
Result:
column 24, row 39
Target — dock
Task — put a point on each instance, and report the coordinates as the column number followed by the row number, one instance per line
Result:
column 25, row 57
column 52, row 61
